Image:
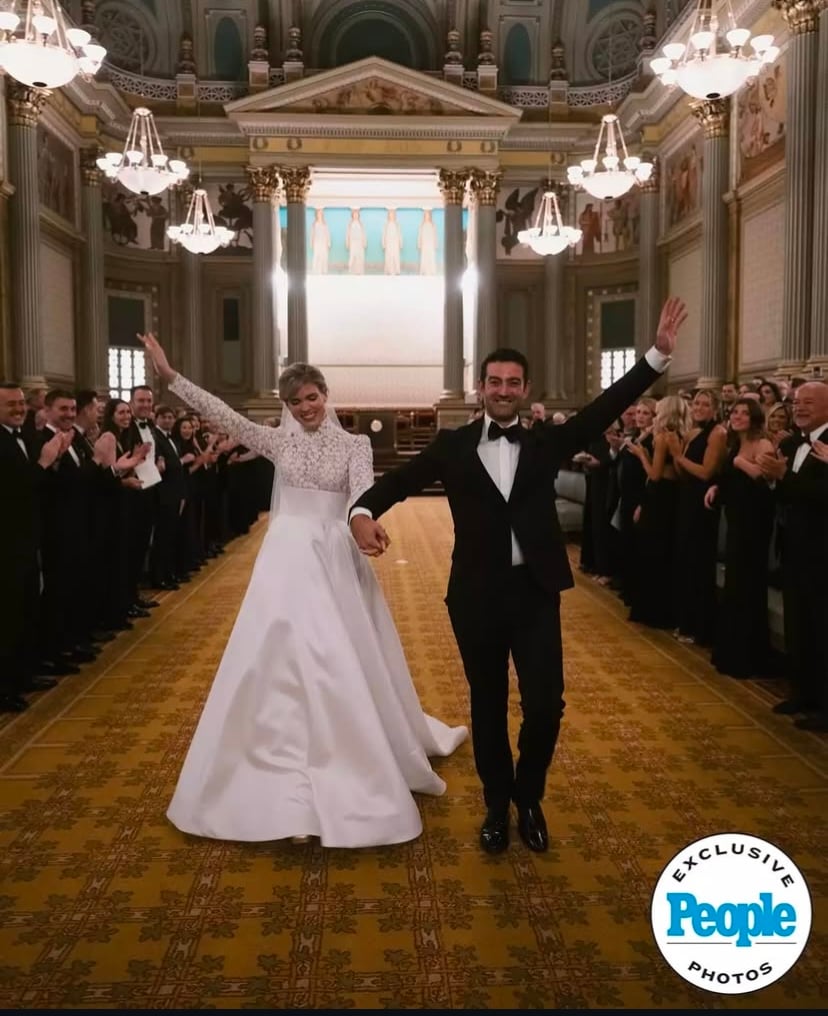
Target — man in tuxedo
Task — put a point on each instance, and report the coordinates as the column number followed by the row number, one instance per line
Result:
column 143, row 503
column 171, row 493
column 22, row 472
column 800, row 472
column 509, row 566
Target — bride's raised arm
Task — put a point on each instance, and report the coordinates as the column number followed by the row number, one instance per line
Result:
column 262, row 439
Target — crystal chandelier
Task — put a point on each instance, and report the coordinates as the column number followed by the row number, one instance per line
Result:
column 143, row 167
column 199, row 233
column 703, row 69
column 549, row 235
column 619, row 174
column 39, row 50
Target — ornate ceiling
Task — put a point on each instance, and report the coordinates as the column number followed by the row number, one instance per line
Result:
column 600, row 38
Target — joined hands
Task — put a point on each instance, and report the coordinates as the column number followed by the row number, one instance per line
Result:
column 370, row 537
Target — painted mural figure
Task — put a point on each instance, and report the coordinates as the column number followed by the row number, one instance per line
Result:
column 356, row 241
column 235, row 213
column 427, row 244
column 157, row 213
column 392, row 243
column 589, row 221
column 320, row 244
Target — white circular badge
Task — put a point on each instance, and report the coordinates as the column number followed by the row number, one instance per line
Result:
column 731, row 913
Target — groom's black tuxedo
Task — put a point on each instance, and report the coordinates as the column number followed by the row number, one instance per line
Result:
column 497, row 608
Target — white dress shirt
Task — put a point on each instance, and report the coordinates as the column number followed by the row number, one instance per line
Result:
column 18, row 438
column 500, row 459
column 804, row 450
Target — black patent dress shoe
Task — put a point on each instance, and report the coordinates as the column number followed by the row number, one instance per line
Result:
column 532, row 828
column 494, row 833
column 818, row 724
column 135, row 612
column 145, row 604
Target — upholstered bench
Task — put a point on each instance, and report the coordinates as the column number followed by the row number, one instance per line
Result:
column 570, row 488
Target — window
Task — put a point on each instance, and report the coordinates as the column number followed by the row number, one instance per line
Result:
column 127, row 368
column 615, row 363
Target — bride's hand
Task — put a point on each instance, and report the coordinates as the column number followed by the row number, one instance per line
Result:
column 158, row 357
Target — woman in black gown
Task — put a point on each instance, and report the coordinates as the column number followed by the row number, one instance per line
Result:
column 698, row 463
column 632, row 479
column 742, row 646
column 652, row 600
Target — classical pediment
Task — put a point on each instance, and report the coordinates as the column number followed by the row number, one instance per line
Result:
column 371, row 87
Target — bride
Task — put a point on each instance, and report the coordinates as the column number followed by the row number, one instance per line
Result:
column 312, row 726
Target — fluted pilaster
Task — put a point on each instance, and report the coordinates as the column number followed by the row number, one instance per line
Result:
column 819, row 289
column 193, row 325
column 93, row 348
column 485, row 185
column 649, row 292
column 453, row 188
column 24, row 106
column 296, row 181
column 264, row 182
column 713, row 114
column 801, row 16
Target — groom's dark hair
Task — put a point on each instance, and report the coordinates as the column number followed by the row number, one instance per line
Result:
column 505, row 355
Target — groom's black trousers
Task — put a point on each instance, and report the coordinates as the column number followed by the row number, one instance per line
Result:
column 521, row 618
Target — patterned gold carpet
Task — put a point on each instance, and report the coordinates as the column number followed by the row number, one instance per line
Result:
column 104, row 905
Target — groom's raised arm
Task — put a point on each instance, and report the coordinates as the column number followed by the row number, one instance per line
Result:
column 403, row 481
column 589, row 423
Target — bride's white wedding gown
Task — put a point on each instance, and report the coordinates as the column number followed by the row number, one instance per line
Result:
column 312, row 725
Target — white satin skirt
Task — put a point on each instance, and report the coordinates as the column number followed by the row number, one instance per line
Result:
column 312, row 725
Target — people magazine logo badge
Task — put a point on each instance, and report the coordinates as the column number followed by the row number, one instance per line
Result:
column 731, row 913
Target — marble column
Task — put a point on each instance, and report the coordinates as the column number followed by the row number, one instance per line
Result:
column 453, row 187
column 263, row 182
column 554, row 321
column 819, row 288
column 713, row 114
column 648, row 305
column 24, row 106
column 93, row 348
column 296, row 181
column 485, row 185
column 800, row 127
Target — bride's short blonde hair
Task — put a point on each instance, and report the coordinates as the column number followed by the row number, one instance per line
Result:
column 295, row 375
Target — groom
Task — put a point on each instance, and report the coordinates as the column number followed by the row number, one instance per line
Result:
column 509, row 566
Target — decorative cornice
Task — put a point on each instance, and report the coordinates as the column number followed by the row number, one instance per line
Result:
column 713, row 115
column 452, row 184
column 801, row 16
column 25, row 104
column 264, row 182
column 91, row 175
column 485, row 184
column 296, row 181
column 310, row 125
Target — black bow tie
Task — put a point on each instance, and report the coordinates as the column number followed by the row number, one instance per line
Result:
column 17, row 432
column 143, row 425
column 510, row 433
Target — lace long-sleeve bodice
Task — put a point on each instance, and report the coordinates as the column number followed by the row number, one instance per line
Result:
column 325, row 459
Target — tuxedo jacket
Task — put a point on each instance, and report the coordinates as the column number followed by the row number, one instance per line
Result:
column 173, row 487
column 68, row 490
column 483, row 519
column 21, row 482
column 803, row 499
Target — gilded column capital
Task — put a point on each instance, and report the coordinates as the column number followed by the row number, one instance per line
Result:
column 485, row 184
column 802, row 16
column 91, row 175
column 452, row 184
column 25, row 104
column 713, row 115
column 264, row 182
column 296, row 181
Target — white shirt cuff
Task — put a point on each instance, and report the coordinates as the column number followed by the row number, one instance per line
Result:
column 657, row 360
column 359, row 511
